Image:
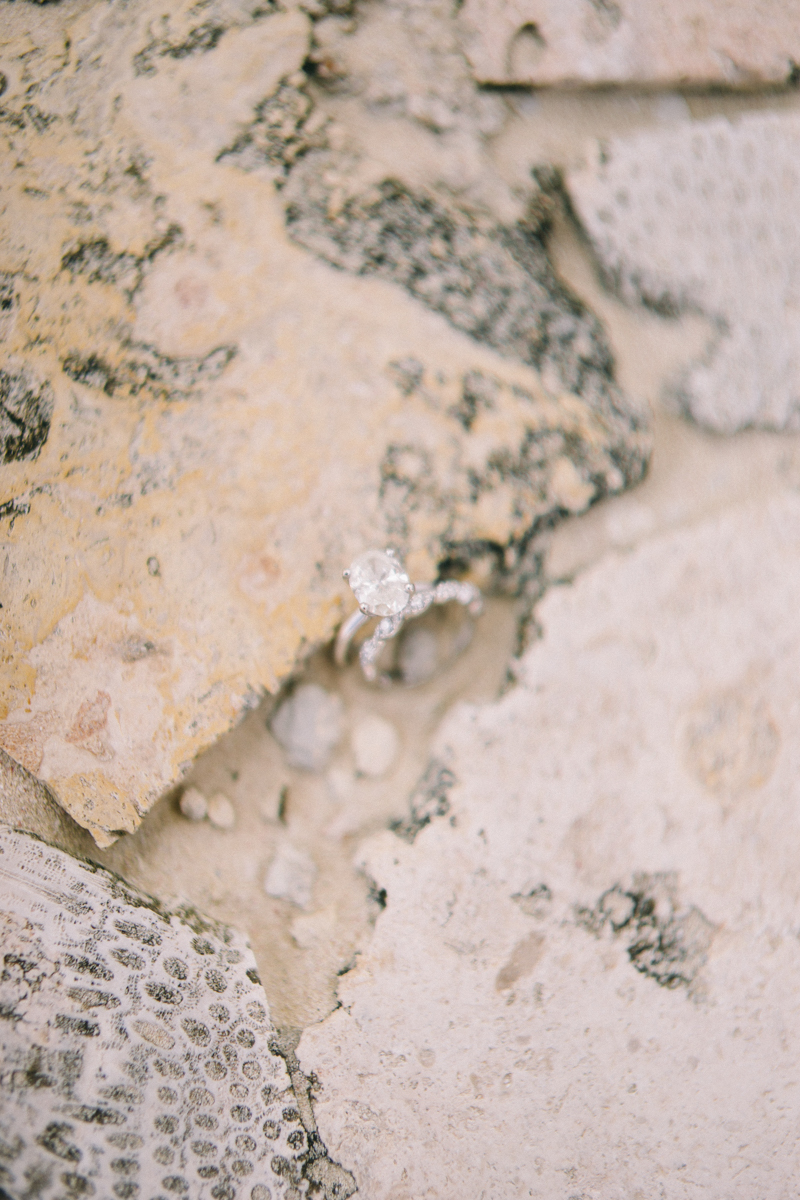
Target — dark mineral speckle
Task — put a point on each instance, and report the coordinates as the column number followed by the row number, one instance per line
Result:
column 26, row 410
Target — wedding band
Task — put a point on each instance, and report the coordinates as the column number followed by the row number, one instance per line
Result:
column 383, row 590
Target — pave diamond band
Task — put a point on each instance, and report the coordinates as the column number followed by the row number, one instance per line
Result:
column 384, row 590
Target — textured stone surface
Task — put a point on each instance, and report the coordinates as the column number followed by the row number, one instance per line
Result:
column 599, row 41
column 701, row 218
column 137, row 1049
column 586, row 976
column 202, row 422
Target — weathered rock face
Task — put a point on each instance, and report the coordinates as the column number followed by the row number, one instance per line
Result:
column 601, row 42
column 494, row 283
column 201, row 421
column 701, row 218
column 586, row 966
column 138, row 1054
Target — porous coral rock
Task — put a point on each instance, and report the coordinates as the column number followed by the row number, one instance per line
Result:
column 586, row 965
column 136, row 1049
column 701, row 218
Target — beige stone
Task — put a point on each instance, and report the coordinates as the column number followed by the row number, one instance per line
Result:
column 586, row 967
column 201, row 422
column 567, row 42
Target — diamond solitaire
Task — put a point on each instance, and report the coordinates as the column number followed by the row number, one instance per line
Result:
column 379, row 583
column 383, row 589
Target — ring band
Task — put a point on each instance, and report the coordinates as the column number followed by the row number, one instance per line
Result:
column 418, row 599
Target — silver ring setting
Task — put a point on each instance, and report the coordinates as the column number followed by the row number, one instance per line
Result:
column 383, row 590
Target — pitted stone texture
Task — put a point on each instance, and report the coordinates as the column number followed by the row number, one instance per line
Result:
column 587, row 964
column 701, row 218
column 137, row 1049
column 562, row 42
column 187, row 470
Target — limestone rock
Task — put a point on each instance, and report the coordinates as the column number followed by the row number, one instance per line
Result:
column 701, row 218
column 137, row 1049
column 202, row 423
column 563, row 42
column 587, row 963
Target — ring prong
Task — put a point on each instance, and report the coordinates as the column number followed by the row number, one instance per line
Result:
column 364, row 610
column 391, row 552
column 410, row 589
column 346, row 574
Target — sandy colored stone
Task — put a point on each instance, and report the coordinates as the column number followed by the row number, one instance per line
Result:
column 137, row 1047
column 585, row 976
column 221, row 812
column 701, row 219
column 568, row 42
column 202, row 422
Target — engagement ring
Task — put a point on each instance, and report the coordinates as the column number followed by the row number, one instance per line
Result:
column 383, row 589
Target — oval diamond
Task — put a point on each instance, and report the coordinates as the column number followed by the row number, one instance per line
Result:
column 379, row 583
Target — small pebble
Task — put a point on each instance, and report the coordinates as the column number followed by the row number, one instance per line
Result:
column 290, row 876
column 221, row 812
column 309, row 726
column 194, row 805
column 375, row 744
